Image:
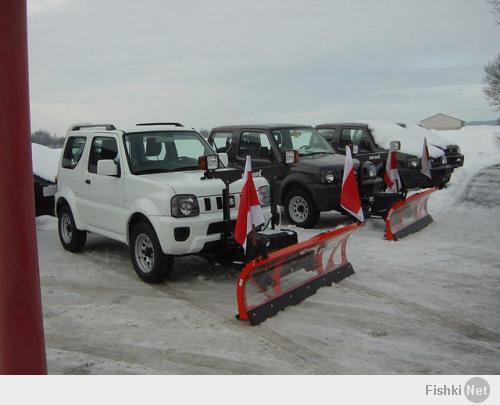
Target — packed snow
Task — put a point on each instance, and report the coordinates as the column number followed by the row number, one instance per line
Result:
column 411, row 138
column 45, row 161
column 427, row 304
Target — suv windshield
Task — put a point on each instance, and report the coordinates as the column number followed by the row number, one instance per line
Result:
column 157, row 152
column 306, row 140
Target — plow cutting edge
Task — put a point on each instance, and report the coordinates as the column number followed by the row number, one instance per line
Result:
column 290, row 275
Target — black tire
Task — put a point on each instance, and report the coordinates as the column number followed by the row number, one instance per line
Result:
column 72, row 239
column 300, row 208
column 149, row 261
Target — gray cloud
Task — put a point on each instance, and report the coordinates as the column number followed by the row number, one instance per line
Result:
column 213, row 62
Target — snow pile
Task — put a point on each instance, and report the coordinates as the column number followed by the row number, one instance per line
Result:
column 480, row 146
column 411, row 138
column 45, row 161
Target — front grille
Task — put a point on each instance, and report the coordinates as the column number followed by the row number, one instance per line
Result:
column 218, row 227
column 219, row 203
column 208, row 204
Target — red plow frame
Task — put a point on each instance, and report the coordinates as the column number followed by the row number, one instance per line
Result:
column 290, row 275
column 408, row 216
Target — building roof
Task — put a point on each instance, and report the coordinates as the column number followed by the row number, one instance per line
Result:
column 443, row 115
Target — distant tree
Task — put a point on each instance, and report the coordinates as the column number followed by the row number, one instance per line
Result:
column 43, row 137
column 496, row 8
column 492, row 69
column 492, row 80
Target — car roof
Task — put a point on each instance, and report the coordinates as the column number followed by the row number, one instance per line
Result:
column 86, row 130
column 258, row 126
column 343, row 124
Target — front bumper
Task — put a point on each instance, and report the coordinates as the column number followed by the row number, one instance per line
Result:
column 455, row 160
column 414, row 179
column 325, row 196
column 206, row 227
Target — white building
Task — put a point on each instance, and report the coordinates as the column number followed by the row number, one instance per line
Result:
column 442, row 121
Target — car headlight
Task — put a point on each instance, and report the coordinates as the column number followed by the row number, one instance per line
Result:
column 413, row 163
column 444, row 160
column 184, row 205
column 264, row 195
column 329, row 176
column 369, row 170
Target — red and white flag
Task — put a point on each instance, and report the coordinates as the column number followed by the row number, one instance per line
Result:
column 249, row 212
column 349, row 195
column 391, row 174
column 426, row 161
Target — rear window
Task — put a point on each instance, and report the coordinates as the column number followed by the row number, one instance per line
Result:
column 73, row 151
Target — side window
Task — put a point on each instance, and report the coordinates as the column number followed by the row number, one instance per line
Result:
column 73, row 152
column 103, row 148
column 327, row 133
column 255, row 144
column 222, row 141
column 360, row 138
column 345, row 138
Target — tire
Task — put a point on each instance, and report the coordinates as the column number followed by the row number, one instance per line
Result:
column 72, row 239
column 149, row 261
column 300, row 208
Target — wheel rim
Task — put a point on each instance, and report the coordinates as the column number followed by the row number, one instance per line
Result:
column 298, row 209
column 66, row 228
column 144, row 253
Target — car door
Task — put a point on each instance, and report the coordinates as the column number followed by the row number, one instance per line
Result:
column 256, row 144
column 102, row 199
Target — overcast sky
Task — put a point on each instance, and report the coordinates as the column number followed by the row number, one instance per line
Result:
column 208, row 63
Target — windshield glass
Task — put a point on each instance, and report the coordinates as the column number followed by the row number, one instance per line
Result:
column 157, row 152
column 306, row 140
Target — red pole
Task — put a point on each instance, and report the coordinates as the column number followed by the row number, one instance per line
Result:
column 22, row 346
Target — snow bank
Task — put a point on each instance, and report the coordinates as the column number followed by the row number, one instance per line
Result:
column 480, row 146
column 45, row 161
column 411, row 138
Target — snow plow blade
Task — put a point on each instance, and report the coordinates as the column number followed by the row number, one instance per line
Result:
column 290, row 275
column 408, row 216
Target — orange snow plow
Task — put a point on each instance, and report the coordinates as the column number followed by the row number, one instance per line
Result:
column 288, row 276
column 408, row 216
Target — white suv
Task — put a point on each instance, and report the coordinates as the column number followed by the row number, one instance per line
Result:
column 143, row 187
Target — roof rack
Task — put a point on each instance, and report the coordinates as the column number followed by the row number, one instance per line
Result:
column 107, row 127
column 146, row 124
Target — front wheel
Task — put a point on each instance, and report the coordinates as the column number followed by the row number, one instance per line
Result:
column 149, row 261
column 300, row 209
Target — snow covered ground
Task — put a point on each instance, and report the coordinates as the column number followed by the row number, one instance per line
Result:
column 429, row 303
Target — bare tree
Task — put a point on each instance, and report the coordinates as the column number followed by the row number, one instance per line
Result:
column 492, row 69
column 496, row 8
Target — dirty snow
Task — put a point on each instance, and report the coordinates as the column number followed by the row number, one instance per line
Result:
column 426, row 304
column 45, row 161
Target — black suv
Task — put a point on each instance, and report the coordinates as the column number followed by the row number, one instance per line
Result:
column 308, row 186
column 341, row 134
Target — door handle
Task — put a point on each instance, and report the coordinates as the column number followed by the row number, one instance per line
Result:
column 87, row 181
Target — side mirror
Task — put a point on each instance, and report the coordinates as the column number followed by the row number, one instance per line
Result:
column 395, row 145
column 208, row 162
column 354, row 149
column 224, row 159
column 290, row 157
column 107, row 167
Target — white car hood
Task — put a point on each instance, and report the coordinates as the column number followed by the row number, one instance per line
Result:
column 190, row 182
